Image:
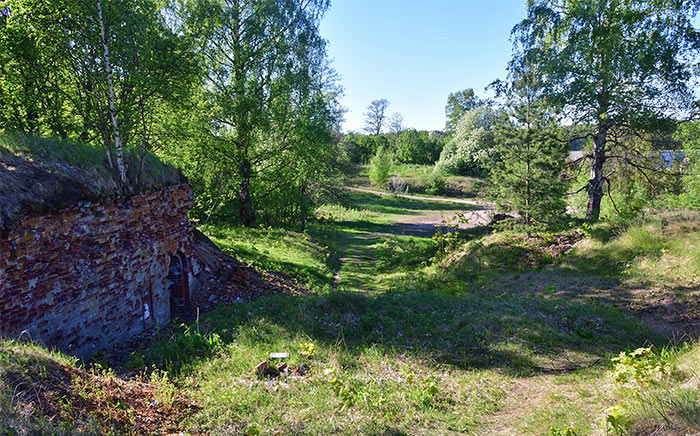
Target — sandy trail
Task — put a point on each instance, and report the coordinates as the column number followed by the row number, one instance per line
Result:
column 425, row 225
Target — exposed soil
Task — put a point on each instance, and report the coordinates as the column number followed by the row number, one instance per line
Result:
column 227, row 280
column 420, row 197
column 95, row 402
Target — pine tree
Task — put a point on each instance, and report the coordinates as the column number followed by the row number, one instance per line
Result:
column 527, row 177
column 380, row 167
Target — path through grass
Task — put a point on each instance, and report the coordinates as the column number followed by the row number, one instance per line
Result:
column 398, row 347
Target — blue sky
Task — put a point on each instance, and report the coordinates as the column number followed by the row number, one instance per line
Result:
column 415, row 52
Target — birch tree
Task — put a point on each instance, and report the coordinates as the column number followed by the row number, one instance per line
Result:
column 623, row 67
column 269, row 87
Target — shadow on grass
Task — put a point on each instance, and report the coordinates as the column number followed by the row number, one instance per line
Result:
column 406, row 206
column 521, row 333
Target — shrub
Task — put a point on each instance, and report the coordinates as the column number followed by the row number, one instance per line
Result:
column 473, row 145
column 380, row 167
column 398, row 185
column 415, row 147
column 435, row 183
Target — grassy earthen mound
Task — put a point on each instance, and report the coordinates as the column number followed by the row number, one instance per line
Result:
column 44, row 392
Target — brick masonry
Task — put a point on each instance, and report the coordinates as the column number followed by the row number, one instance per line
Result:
column 87, row 277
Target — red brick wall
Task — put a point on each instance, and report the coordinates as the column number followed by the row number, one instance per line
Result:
column 91, row 276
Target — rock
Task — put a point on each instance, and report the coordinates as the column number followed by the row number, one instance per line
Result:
column 301, row 370
column 261, row 368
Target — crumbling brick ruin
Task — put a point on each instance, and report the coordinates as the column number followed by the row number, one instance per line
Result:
column 93, row 274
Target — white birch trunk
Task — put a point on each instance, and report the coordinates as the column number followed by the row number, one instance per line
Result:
column 112, row 111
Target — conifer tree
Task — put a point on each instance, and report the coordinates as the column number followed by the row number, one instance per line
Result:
column 527, row 177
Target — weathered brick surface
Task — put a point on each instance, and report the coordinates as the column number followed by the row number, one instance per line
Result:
column 91, row 276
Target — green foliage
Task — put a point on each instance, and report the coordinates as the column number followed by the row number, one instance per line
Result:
column 435, row 182
column 164, row 387
column 307, row 349
column 265, row 128
column 421, row 148
column 359, row 149
column 527, row 177
column 472, row 147
column 380, row 167
column 615, row 420
column 688, row 136
column 447, row 235
column 402, row 254
column 641, row 366
column 568, row 431
column 185, row 345
column 458, row 104
column 89, row 157
column 651, row 47
column 690, row 194
column 53, row 78
column 298, row 254
column 585, row 230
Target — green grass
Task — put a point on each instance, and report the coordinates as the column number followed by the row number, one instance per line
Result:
column 26, row 370
column 400, row 346
column 90, row 158
column 405, row 345
column 405, row 360
column 661, row 249
column 298, row 254
column 366, row 235
column 416, row 176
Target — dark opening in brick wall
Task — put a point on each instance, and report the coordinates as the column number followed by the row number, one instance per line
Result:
column 178, row 286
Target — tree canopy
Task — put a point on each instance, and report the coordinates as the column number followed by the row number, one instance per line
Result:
column 622, row 67
column 472, row 146
column 270, row 90
column 458, row 104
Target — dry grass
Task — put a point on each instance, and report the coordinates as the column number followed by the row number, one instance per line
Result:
column 43, row 392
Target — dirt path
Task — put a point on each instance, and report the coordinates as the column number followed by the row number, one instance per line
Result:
column 419, row 197
column 357, row 263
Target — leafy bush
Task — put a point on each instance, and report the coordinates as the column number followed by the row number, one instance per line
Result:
column 415, row 147
column 473, row 145
column 447, row 236
column 615, row 420
column 435, row 182
column 359, row 149
column 641, row 366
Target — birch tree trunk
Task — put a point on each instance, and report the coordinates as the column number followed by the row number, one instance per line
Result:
column 112, row 111
column 595, row 181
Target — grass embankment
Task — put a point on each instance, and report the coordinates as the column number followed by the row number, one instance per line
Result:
column 44, row 392
column 87, row 157
column 43, row 175
column 300, row 255
column 405, row 346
